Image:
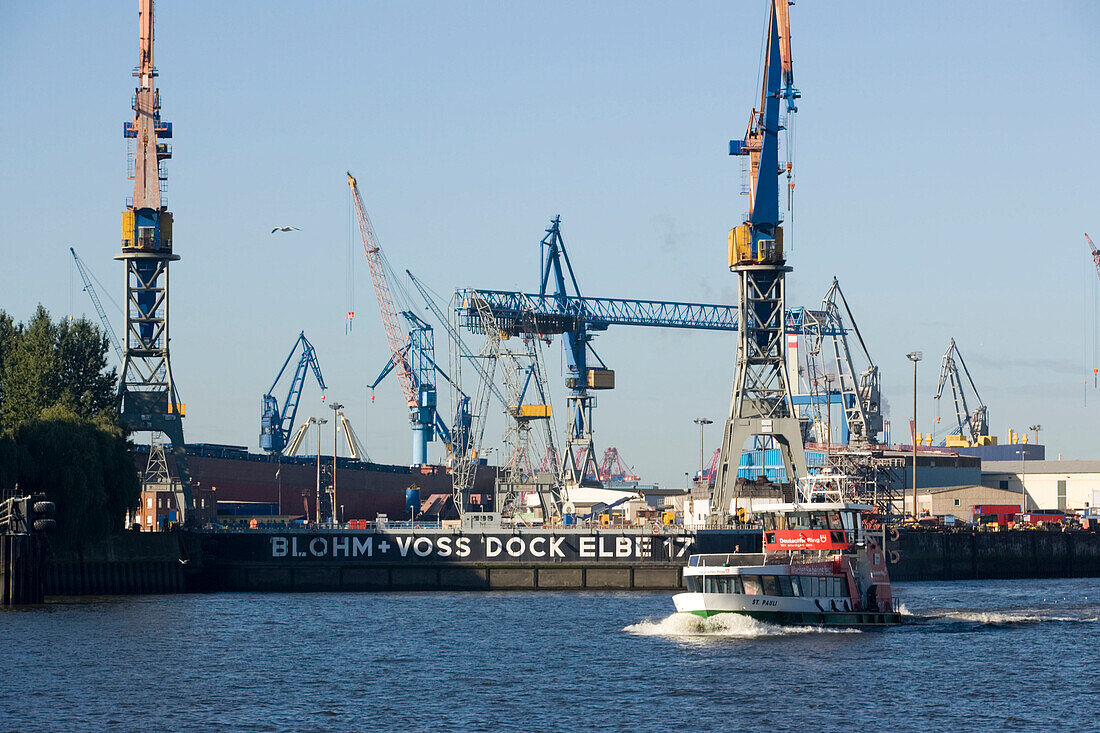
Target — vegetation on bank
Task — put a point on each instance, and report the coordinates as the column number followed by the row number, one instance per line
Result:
column 59, row 433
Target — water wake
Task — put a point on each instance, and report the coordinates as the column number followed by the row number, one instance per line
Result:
column 1005, row 618
column 727, row 625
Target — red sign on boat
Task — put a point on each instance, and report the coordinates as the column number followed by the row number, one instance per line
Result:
column 805, row 539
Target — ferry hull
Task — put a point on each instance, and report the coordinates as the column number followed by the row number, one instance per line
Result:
column 802, row 611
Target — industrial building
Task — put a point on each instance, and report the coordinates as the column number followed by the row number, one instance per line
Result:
column 1062, row 485
column 959, row 501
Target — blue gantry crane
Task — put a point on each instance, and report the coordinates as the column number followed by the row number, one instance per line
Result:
column 275, row 423
column 560, row 309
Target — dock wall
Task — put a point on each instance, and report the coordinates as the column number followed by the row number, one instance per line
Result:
column 481, row 576
column 969, row 555
column 175, row 562
column 121, row 564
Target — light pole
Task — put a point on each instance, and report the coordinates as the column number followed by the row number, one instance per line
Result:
column 1023, row 481
column 336, row 415
column 318, row 421
column 914, row 356
column 701, row 422
column 1035, row 429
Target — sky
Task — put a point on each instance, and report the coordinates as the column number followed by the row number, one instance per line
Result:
column 945, row 156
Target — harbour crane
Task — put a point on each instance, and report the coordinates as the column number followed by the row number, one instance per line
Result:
column 558, row 309
column 1096, row 262
column 148, row 400
column 970, row 427
column 614, row 469
column 108, row 329
column 761, row 404
column 276, row 424
column 1095, row 254
column 413, row 357
column 859, row 394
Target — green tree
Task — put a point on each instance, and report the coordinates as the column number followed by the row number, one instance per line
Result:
column 7, row 342
column 30, row 370
column 43, row 363
column 59, row 434
column 82, row 374
column 82, row 464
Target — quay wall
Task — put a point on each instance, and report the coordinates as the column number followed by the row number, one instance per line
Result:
column 123, row 564
column 478, row 576
column 175, row 562
column 973, row 555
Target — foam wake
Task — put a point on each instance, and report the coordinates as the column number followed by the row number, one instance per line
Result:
column 1003, row 618
column 729, row 625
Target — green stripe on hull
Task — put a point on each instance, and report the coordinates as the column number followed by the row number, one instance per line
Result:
column 813, row 619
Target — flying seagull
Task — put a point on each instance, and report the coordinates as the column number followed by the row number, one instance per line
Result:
column 285, row 229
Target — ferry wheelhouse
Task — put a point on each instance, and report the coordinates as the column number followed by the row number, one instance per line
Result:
column 820, row 566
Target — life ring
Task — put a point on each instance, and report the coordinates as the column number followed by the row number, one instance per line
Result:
column 656, row 528
column 417, row 526
column 893, row 534
column 892, row 557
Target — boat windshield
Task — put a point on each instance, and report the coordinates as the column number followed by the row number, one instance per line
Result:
column 767, row 585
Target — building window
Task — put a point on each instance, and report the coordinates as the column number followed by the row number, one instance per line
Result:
column 149, row 519
column 957, row 502
column 1003, row 485
column 149, row 502
column 1061, row 496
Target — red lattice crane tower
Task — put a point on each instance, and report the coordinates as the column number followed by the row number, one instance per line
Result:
column 394, row 337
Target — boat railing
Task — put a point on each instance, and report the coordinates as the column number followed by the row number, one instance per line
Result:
column 717, row 560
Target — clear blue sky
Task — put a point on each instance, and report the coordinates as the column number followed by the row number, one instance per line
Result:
column 947, row 161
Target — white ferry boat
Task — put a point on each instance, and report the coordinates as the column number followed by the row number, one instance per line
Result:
column 821, row 567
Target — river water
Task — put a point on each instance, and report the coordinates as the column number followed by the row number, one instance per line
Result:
column 991, row 655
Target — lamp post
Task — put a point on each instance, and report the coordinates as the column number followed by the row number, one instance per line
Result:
column 318, row 421
column 336, row 415
column 1035, row 429
column 914, row 356
column 701, row 422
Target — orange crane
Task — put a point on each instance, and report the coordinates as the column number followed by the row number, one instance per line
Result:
column 418, row 389
column 1095, row 261
column 1095, row 254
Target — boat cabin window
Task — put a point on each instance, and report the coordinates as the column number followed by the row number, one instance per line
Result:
column 834, row 520
column 719, row 584
column 771, row 588
column 771, row 523
column 767, row 585
column 819, row 587
column 785, row 586
column 798, row 520
column 694, row 583
column 818, row 520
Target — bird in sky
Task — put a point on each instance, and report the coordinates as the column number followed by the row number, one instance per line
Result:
column 285, row 229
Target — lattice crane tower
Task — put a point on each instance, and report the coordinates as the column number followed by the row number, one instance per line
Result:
column 761, row 403
column 148, row 401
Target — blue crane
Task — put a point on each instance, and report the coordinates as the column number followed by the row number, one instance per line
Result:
column 276, row 424
column 419, row 353
column 560, row 309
